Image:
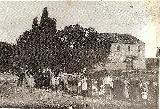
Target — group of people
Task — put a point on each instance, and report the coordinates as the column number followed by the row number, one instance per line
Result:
column 70, row 83
column 111, row 87
column 131, row 89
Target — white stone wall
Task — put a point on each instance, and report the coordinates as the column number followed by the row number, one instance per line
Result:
column 118, row 56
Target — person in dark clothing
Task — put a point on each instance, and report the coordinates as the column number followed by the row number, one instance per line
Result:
column 135, row 90
column 118, row 87
column 20, row 79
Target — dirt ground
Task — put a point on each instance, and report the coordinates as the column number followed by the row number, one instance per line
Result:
column 25, row 97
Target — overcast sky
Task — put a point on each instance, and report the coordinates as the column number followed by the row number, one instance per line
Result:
column 139, row 19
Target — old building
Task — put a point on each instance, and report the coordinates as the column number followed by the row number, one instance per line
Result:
column 126, row 53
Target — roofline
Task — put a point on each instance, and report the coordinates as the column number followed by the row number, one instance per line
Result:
column 139, row 41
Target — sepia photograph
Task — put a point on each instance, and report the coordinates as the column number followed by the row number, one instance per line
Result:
column 79, row 54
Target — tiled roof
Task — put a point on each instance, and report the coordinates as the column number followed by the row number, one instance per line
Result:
column 120, row 38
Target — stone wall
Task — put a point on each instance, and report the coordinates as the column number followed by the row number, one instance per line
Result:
column 119, row 52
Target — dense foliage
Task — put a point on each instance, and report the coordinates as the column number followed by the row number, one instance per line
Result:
column 6, row 56
column 68, row 50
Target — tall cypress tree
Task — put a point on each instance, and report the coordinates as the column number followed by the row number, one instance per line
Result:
column 44, row 15
column 35, row 23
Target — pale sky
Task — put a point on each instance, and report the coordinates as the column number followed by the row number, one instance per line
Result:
column 140, row 19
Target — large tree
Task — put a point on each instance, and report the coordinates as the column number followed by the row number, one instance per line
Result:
column 81, row 48
column 68, row 50
column 35, row 48
column 6, row 56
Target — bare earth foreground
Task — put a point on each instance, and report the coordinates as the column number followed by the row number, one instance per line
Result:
column 11, row 96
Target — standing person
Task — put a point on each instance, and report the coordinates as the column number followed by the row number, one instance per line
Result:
column 144, row 93
column 20, row 79
column 144, row 96
column 79, row 86
column 30, row 80
column 153, row 92
column 126, row 87
column 64, row 80
column 118, row 86
column 94, row 87
column 84, row 87
column 108, row 86
column 57, row 80
column 135, row 89
column 53, row 82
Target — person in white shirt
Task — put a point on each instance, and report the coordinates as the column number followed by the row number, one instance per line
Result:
column 53, row 82
column 57, row 81
column 79, row 86
column 108, row 80
column 64, row 79
column 144, row 93
column 126, row 88
column 126, row 91
column 108, row 85
column 144, row 96
column 84, row 86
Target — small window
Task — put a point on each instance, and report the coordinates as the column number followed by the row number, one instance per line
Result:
column 129, row 48
column 118, row 48
column 139, row 48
